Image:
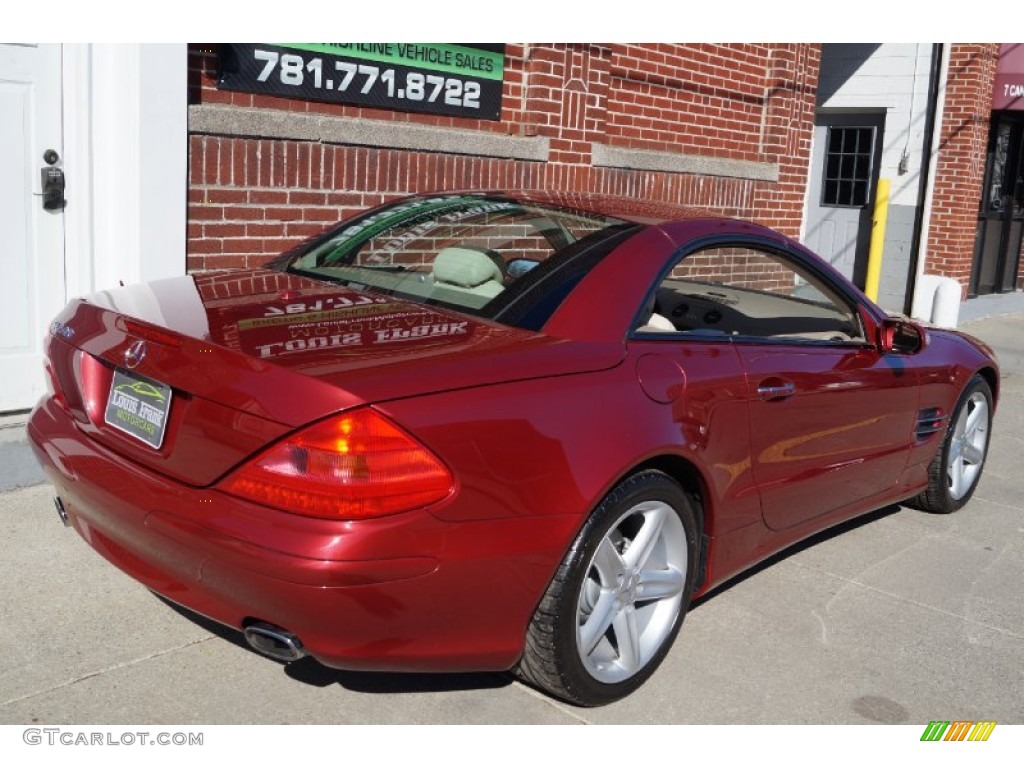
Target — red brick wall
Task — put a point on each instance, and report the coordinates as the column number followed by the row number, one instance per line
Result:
column 960, row 167
column 789, row 120
column 700, row 99
column 737, row 268
column 251, row 198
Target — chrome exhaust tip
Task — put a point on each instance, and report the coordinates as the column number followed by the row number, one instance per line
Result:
column 275, row 642
column 61, row 512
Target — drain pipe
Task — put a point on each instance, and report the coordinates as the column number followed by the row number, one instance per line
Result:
column 937, row 82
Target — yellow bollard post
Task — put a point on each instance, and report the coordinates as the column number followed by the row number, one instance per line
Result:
column 877, row 240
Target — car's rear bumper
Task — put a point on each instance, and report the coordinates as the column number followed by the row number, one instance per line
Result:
column 407, row 592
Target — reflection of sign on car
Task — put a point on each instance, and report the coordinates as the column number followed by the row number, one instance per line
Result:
column 338, row 301
column 341, row 320
column 360, row 338
column 321, row 317
column 443, row 223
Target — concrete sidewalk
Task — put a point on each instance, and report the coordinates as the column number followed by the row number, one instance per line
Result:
column 901, row 617
column 18, row 466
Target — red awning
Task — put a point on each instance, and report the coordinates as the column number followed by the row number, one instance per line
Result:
column 1008, row 90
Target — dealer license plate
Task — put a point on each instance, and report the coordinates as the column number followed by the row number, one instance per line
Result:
column 139, row 407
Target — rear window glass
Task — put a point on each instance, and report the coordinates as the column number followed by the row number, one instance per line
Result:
column 477, row 254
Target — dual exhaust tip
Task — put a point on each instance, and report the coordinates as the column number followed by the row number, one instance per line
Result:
column 268, row 639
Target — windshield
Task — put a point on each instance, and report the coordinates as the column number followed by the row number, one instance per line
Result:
column 475, row 253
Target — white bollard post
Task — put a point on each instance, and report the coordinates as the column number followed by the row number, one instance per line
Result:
column 946, row 309
column 924, row 297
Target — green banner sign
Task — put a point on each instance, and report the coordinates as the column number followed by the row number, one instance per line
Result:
column 438, row 57
column 459, row 79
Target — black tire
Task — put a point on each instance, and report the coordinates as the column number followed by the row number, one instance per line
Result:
column 647, row 610
column 968, row 448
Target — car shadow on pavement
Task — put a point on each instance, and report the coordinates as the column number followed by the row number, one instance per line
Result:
column 800, row 546
column 311, row 672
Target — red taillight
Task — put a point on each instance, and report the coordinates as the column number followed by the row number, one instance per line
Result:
column 353, row 466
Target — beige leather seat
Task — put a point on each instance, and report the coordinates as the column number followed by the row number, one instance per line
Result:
column 658, row 323
column 468, row 270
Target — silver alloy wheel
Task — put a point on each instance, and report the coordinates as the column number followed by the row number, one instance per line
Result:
column 633, row 592
column 967, row 446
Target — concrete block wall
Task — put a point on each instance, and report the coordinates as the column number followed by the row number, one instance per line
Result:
column 672, row 123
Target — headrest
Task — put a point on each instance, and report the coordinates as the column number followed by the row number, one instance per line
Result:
column 466, row 267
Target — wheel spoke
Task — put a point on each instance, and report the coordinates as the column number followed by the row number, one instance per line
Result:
column 640, row 550
column 608, row 563
column 597, row 623
column 961, row 424
column 972, row 454
column 628, row 638
column 659, row 585
column 954, row 454
column 977, row 417
column 956, row 478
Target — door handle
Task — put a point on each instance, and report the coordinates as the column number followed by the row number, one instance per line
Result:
column 776, row 390
column 52, row 182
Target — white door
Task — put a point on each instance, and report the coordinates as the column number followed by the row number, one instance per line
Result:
column 31, row 238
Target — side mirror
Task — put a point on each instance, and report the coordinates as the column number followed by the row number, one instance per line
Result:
column 901, row 337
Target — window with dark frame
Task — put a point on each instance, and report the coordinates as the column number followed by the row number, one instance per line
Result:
column 749, row 291
column 848, row 167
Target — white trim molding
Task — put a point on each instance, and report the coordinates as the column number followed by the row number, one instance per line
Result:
column 126, row 153
column 302, row 126
column 673, row 162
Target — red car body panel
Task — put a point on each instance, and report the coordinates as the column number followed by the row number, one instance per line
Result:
column 361, row 595
column 535, row 427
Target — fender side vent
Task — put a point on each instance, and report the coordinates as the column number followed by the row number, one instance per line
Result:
column 929, row 421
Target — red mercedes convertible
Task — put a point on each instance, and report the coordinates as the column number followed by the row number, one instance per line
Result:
column 493, row 431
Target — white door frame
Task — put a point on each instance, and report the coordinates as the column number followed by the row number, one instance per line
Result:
column 124, row 115
column 32, row 238
column 126, row 152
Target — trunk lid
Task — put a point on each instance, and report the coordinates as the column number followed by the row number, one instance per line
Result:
column 249, row 356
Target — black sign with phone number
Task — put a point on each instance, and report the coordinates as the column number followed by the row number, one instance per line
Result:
column 461, row 80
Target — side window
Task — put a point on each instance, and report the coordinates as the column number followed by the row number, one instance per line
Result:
column 744, row 291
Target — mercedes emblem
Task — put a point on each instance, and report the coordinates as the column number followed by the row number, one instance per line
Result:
column 135, row 354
